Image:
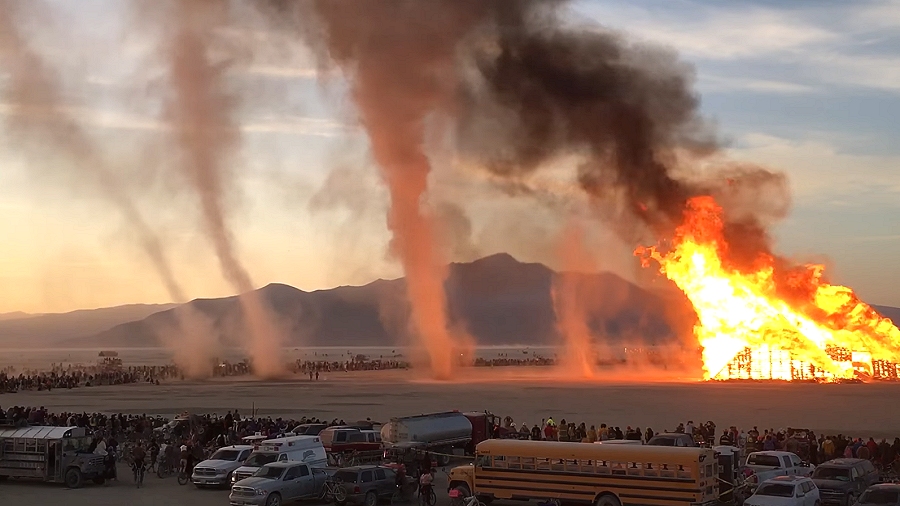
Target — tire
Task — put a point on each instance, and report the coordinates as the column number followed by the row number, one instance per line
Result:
column 371, row 499
column 443, row 459
column 74, row 478
column 463, row 493
column 182, row 479
column 274, row 500
column 607, row 500
column 340, row 495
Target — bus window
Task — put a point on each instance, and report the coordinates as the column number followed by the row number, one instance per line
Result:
column 527, row 462
column 683, row 473
column 499, row 461
column 634, row 468
column 514, row 463
column 709, row 470
column 651, row 470
column 483, row 461
column 587, row 466
column 603, row 467
column 543, row 464
column 617, row 467
column 667, row 471
column 558, row 465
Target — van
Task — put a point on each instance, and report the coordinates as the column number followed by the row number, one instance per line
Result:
column 306, row 449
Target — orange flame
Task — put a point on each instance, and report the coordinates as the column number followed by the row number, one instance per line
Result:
column 743, row 320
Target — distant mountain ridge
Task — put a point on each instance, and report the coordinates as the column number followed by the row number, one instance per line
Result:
column 49, row 330
column 497, row 300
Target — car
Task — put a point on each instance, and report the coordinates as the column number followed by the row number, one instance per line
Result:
column 881, row 494
column 277, row 483
column 216, row 470
column 785, row 491
column 842, row 481
column 366, row 484
column 671, row 439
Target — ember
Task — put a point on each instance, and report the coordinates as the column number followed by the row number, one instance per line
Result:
column 749, row 331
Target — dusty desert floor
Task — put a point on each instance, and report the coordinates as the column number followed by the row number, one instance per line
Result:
column 525, row 393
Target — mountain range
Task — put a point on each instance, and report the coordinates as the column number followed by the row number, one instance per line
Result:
column 497, row 300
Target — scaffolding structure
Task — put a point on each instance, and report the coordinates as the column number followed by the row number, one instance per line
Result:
column 771, row 363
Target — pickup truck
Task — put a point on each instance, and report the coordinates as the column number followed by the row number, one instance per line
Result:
column 765, row 465
column 277, row 483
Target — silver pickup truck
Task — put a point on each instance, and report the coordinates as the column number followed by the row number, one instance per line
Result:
column 766, row 465
column 278, row 483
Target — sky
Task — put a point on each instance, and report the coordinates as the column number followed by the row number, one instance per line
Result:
column 810, row 88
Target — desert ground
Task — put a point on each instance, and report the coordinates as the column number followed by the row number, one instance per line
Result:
column 528, row 394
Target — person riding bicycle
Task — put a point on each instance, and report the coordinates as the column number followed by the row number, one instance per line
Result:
column 425, row 483
column 185, row 456
column 138, row 456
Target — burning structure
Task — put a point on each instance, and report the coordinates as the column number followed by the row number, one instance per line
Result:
column 767, row 321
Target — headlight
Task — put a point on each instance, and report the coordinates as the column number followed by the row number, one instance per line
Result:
column 233, row 479
column 261, row 492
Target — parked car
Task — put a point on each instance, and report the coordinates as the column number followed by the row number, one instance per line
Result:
column 216, row 471
column 842, row 481
column 277, row 483
column 785, row 491
column 671, row 439
column 366, row 484
column 881, row 494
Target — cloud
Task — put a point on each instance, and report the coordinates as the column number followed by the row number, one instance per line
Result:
column 714, row 83
column 820, row 173
column 100, row 118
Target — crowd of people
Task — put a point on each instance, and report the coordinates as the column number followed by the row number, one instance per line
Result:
column 188, row 439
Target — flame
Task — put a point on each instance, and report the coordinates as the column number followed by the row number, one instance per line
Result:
column 747, row 327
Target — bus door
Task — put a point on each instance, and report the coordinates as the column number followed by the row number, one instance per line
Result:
column 52, row 460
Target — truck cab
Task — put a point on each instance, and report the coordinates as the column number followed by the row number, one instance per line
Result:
column 50, row 454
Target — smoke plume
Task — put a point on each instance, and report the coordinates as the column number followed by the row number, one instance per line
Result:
column 40, row 117
column 201, row 112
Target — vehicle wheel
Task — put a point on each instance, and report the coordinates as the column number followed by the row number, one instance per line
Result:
column 340, row 495
column 462, row 494
column 274, row 500
column 99, row 480
column 607, row 500
column 443, row 459
column 74, row 478
column 371, row 499
column 182, row 479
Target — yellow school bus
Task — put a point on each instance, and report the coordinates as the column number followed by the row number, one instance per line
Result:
column 603, row 475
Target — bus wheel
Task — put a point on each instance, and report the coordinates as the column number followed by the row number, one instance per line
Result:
column 607, row 500
column 73, row 478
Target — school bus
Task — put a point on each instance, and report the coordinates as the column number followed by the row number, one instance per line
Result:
column 602, row 475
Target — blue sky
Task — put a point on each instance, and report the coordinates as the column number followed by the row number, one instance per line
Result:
column 811, row 88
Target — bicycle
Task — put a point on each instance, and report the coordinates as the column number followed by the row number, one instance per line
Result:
column 427, row 496
column 333, row 491
column 138, row 472
column 183, row 476
column 402, row 493
column 164, row 469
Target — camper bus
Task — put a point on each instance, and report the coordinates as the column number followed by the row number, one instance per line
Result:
column 51, row 454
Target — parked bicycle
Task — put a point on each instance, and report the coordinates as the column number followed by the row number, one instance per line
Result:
column 333, row 491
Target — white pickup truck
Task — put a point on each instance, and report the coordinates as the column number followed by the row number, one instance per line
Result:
column 766, row 465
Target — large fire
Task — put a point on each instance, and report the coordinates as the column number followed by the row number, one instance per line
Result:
column 747, row 325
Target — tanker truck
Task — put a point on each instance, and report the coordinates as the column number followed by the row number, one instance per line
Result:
column 443, row 434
